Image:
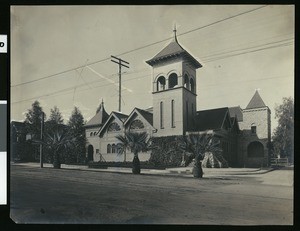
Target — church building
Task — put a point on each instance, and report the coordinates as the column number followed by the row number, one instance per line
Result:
column 244, row 133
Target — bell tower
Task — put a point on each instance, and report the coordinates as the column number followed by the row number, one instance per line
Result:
column 174, row 89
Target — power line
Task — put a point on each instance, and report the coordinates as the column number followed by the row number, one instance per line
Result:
column 139, row 77
column 245, row 81
column 208, row 60
column 247, row 48
column 247, row 52
column 142, row 47
column 77, row 86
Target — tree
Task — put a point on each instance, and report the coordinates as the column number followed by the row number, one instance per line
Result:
column 57, row 141
column 34, row 118
column 283, row 136
column 54, row 123
column 33, row 121
column 77, row 130
column 197, row 147
column 55, row 117
column 136, row 142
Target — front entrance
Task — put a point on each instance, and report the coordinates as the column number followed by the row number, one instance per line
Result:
column 90, row 153
column 255, row 149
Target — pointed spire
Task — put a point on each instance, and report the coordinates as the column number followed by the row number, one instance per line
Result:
column 175, row 33
column 256, row 101
column 101, row 106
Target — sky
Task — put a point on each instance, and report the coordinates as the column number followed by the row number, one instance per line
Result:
column 60, row 55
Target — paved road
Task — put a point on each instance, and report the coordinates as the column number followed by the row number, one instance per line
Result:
column 74, row 196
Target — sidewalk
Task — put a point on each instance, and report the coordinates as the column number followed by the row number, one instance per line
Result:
column 180, row 171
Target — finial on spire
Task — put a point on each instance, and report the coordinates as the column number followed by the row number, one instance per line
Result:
column 175, row 30
column 102, row 102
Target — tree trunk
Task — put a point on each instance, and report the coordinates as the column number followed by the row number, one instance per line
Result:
column 56, row 160
column 197, row 170
column 136, row 168
column 125, row 156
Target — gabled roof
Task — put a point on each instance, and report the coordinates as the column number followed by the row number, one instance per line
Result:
column 173, row 49
column 236, row 111
column 117, row 115
column 121, row 116
column 212, row 119
column 100, row 117
column 148, row 116
column 256, row 101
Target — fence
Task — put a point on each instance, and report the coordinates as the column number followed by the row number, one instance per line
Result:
column 280, row 161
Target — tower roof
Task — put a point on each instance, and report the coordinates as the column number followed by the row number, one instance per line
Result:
column 172, row 50
column 256, row 101
column 100, row 117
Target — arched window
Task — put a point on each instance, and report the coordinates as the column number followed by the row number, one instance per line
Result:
column 173, row 113
column 255, row 149
column 113, row 148
column 95, row 133
column 186, row 82
column 91, row 134
column 108, row 148
column 173, row 80
column 161, row 111
column 161, row 83
column 136, row 124
column 114, row 127
column 192, row 85
column 187, row 113
column 253, row 128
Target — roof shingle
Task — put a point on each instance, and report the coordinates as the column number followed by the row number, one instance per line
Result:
column 210, row 119
column 256, row 101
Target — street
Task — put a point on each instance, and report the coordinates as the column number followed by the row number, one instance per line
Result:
column 73, row 196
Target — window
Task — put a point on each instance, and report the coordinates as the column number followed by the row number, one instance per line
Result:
column 97, row 151
column 91, row 134
column 161, row 83
column 253, row 128
column 108, row 148
column 186, row 81
column 136, row 124
column 173, row 80
column 192, row 84
column 187, row 113
column 113, row 148
column 95, row 133
column 114, row 127
column 172, row 113
column 161, row 115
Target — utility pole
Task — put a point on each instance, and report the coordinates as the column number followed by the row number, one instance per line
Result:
column 120, row 62
column 41, row 145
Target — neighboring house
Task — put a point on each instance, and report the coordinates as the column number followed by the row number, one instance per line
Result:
column 244, row 133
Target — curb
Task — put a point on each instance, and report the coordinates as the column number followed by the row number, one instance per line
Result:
column 169, row 173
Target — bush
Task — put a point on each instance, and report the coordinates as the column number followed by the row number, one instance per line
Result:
column 143, row 164
column 166, row 151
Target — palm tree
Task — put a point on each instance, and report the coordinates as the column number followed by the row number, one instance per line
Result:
column 136, row 142
column 57, row 141
column 197, row 147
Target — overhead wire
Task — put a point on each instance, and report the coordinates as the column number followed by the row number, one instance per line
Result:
column 139, row 48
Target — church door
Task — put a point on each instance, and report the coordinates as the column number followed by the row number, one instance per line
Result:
column 90, row 153
column 255, row 149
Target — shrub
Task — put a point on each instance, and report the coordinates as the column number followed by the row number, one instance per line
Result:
column 166, row 152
